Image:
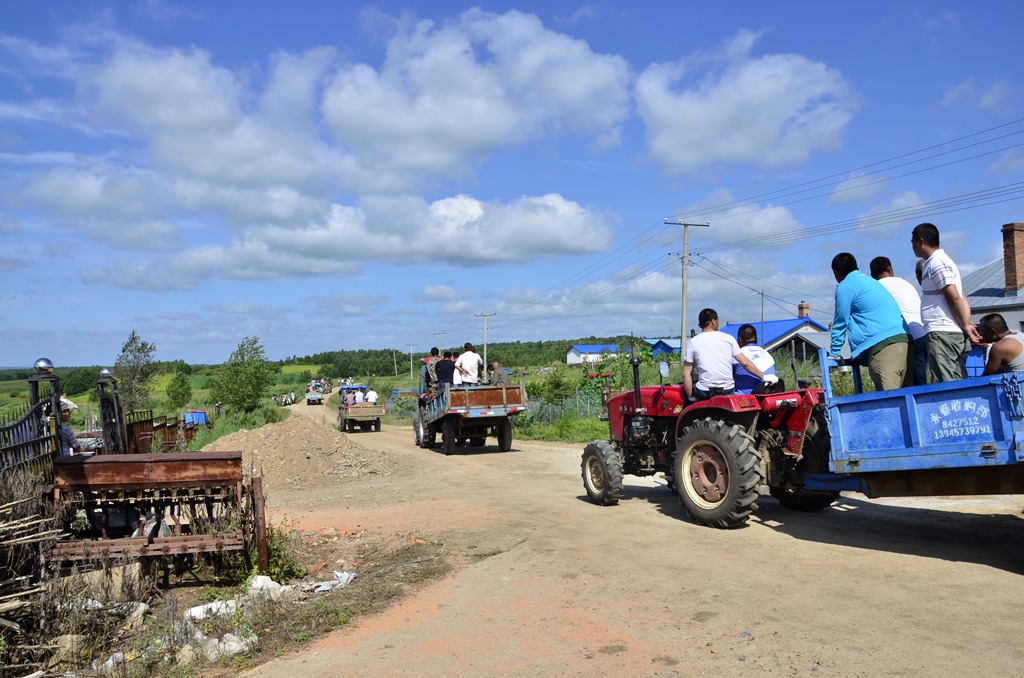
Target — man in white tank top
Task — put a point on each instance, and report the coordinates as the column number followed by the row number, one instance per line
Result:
column 1005, row 348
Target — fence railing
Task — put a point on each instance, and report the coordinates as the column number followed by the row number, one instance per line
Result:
column 28, row 441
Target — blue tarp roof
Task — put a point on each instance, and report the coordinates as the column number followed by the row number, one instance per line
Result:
column 595, row 348
column 771, row 333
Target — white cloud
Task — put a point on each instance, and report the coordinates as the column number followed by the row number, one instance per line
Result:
column 999, row 98
column 438, row 293
column 1010, row 162
column 447, row 95
column 736, row 220
column 957, row 93
column 856, row 188
column 458, row 231
column 351, row 303
column 773, row 110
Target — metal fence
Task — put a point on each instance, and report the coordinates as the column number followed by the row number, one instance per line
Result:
column 28, row 440
column 582, row 405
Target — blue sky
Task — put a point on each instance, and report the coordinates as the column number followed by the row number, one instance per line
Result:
column 332, row 176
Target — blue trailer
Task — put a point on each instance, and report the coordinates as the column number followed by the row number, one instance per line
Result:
column 951, row 438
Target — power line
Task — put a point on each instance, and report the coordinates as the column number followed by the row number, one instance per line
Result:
column 653, row 263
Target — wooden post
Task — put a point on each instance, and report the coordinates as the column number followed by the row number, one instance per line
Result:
column 260, row 520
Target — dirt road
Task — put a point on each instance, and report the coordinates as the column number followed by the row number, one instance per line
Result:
column 922, row 587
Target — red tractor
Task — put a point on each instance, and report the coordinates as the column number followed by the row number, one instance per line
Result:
column 720, row 455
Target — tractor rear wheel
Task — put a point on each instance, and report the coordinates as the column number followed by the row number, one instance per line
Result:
column 505, row 435
column 602, row 473
column 448, row 435
column 717, row 473
column 813, row 459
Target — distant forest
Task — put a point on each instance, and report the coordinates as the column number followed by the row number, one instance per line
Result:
column 520, row 355
column 515, row 355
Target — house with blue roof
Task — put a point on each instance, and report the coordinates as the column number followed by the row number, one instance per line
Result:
column 663, row 347
column 998, row 287
column 789, row 332
column 589, row 353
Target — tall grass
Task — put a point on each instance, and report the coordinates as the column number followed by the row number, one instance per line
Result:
column 264, row 413
column 568, row 428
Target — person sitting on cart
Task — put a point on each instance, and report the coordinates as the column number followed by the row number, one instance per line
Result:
column 711, row 354
column 445, row 371
column 1005, row 347
column 498, row 375
column 745, row 381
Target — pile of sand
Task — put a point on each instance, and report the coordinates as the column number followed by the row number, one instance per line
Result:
column 299, row 452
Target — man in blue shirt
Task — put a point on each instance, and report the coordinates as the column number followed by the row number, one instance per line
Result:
column 870, row 317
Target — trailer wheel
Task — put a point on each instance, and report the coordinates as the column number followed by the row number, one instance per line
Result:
column 351, row 425
column 717, row 472
column 505, row 435
column 448, row 435
column 813, row 459
column 602, row 473
column 376, row 424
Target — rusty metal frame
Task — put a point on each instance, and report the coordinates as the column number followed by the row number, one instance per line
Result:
column 159, row 481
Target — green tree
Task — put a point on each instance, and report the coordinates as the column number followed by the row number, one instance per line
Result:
column 245, row 377
column 179, row 391
column 134, row 370
column 557, row 388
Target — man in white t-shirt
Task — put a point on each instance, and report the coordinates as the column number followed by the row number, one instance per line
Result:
column 945, row 313
column 371, row 396
column 746, row 337
column 711, row 353
column 360, row 398
column 909, row 301
column 469, row 364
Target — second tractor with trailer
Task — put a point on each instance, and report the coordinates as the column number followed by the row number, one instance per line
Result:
column 804, row 446
column 461, row 414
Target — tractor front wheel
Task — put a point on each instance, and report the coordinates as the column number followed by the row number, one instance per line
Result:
column 717, row 473
column 602, row 473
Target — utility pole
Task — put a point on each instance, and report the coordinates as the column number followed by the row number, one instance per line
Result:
column 410, row 360
column 682, row 292
column 686, row 266
column 394, row 358
column 439, row 335
column 485, row 316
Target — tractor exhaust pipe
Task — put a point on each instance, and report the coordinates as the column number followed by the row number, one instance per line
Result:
column 640, row 424
column 635, row 362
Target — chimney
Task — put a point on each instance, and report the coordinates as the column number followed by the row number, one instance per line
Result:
column 1013, row 256
column 803, row 309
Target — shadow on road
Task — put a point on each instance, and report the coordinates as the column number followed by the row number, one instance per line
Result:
column 996, row 540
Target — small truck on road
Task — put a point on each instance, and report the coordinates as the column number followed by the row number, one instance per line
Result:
column 468, row 414
column 363, row 416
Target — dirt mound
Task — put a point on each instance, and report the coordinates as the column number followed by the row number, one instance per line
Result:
column 299, row 452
